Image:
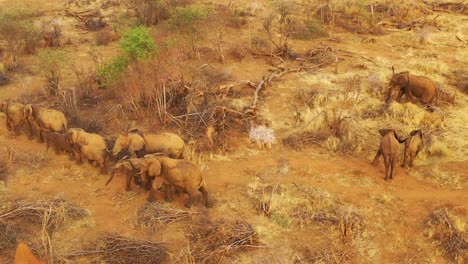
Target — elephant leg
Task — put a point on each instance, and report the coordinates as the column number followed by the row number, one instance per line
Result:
column 169, row 197
column 8, row 124
column 400, row 94
column 392, row 167
column 412, row 158
column 78, row 158
column 103, row 166
column 387, row 167
column 192, row 195
column 128, row 180
column 375, row 162
column 30, row 129
column 405, row 159
column 151, row 196
column 206, row 197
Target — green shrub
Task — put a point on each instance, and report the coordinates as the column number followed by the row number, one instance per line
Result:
column 187, row 17
column 112, row 71
column 138, row 44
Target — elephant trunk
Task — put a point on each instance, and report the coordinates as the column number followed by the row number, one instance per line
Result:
column 111, row 177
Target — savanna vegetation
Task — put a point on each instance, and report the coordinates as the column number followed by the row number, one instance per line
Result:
column 270, row 113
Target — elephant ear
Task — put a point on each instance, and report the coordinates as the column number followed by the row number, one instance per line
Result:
column 414, row 132
column 28, row 110
column 35, row 111
column 385, row 131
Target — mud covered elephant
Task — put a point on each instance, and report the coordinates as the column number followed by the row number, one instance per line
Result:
column 44, row 119
column 389, row 149
column 416, row 88
column 138, row 144
column 14, row 115
column 180, row 174
column 413, row 145
column 58, row 141
column 88, row 146
column 142, row 170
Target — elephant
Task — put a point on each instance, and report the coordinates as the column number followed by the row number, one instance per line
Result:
column 44, row 119
column 90, row 146
column 14, row 115
column 415, row 87
column 58, row 141
column 389, row 149
column 138, row 144
column 137, row 168
column 413, row 145
column 181, row 174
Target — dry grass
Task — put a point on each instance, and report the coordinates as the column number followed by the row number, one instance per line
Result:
column 450, row 232
column 155, row 215
column 8, row 237
column 118, row 249
column 294, row 205
column 332, row 255
column 211, row 241
column 50, row 213
column 442, row 177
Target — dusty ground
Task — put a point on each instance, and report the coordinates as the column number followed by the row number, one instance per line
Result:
column 394, row 211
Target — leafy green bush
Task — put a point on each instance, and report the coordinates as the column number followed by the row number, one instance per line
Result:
column 138, row 44
column 112, row 71
column 187, row 17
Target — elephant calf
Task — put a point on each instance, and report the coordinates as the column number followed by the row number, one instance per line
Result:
column 413, row 145
column 181, row 174
column 58, row 141
column 415, row 87
column 389, row 149
column 88, row 146
column 138, row 169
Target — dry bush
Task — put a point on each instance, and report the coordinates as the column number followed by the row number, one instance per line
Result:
column 322, row 56
column 155, row 215
column 450, row 232
column 20, row 34
column 151, row 12
column 118, row 249
column 103, row 37
column 28, row 160
column 330, row 255
column 51, row 33
column 461, row 80
column 50, row 213
column 7, row 157
column 289, row 205
column 279, row 27
column 442, row 177
column 210, row 241
column 298, row 141
column 8, row 237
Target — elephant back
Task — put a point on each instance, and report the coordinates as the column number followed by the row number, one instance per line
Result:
column 168, row 143
column 53, row 119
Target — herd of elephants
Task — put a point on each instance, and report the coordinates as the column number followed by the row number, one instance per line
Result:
column 154, row 161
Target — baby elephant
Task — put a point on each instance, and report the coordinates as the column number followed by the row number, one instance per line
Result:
column 389, row 148
column 181, row 174
column 413, row 145
column 57, row 140
column 130, row 168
